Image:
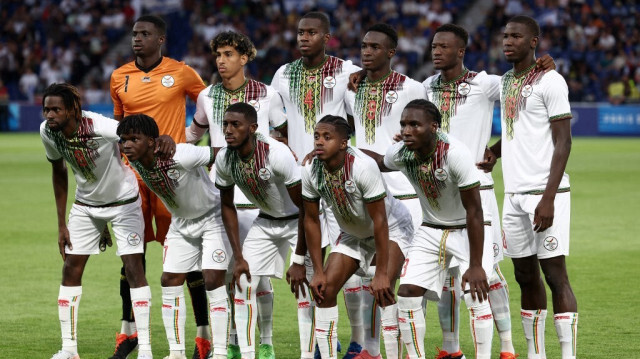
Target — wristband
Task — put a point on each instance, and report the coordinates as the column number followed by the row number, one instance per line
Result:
column 297, row 259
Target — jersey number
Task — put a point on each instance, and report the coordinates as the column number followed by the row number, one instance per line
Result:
column 126, row 82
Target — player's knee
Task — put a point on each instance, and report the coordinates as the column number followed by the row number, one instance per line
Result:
column 527, row 277
column 557, row 281
column 408, row 290
column 172, row 279
column 213, row 279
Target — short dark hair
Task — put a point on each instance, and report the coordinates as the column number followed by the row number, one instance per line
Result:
column 341, row 125
column 244, row 109
column 529, row 22
column 457, row 30
column 139, row 123
column 427, row 107
column 69, row 94
column 324, row 19
column 238, row 41
column 157, row 21
column 387, row 30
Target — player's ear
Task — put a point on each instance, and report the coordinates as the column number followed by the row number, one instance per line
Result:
column 326, row 38
column 162, row 39
column 244, row 59
column 391, row 53
column 534, row 42
column 253, row 128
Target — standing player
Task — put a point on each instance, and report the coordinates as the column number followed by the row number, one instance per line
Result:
column 312, row 87
column 107, row 191
column 376, row 107
column 157, row 86
column 195, row 239
column 233, row 51
column 267, row 174
column 352, row 185
column 442, row 172
column 535, row 147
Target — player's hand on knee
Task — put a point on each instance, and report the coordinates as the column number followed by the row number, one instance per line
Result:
column 165, row 147
column 297, row 278
column 318, row 285
column 475, row 279
column 240, row 267
column 381, row 290
column 63, row 241
column 543, row 215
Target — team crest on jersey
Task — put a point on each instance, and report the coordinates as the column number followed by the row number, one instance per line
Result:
column 349, row 186
column 173, row 174
column 391, row 97
column 550, row 243
column 168, row 81
column 464, row 89
column 329, row 82
column 93, row 144
column 219, row 256
column 527, row 90
column 441, row 174
column 264, row 174
column 255, row 104
column 134, row 238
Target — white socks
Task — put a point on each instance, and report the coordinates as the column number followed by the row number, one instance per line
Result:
column 449, row 313
column 391, row 332
column 412, row 325
column 481, row 325
column 499, row 301
column 219, row 319
column 246, row 315
column 327, row 331
column 567, row 330
column 264, row 298
column 352, row 292
column 174, row 316
column 533, row 323
column 306, row 318
column 371, row 320
column 141, row 304
column 68, row 303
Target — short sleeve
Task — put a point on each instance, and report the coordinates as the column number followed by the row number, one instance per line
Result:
column 105, row 127
column 369, row 181
column 189, row 156
column 555, row 95
column 193, row 83
column 390, row 158
column 223, row 176
column 309, row 190
column 417, row 91
column 113, row 88
column 463, row 170
column 349, row 101
column 284, row 165
column 200, row 124
column 277, row 114
column 491, row 87
column 49, row 147
column 275, row 82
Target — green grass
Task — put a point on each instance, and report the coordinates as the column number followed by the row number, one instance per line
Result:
column 603, row 265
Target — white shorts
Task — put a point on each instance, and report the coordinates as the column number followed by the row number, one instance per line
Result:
column 363, row 249
column 267, row 245
column 86, row 224
column 517, row 224
column 430, row 258
column 492, row 215
column 329, row 228
column 196, row 244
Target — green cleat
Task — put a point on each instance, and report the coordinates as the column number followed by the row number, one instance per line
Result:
column 233, row 352
column 266, row 352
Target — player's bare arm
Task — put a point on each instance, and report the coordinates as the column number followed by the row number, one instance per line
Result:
column 230, row 220
column 475, row 275
column 561, row 137
column 314, row 244
column 380, row 284
column 378, row 158
column 60, row 181
column 488, row 161
column 297, row 274
column 546, row 63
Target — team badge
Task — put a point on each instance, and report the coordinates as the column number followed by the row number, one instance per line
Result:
column 134, row 238
column 255, row 104
column 441, row 174
column 550, row 243
column 350, row 186
column 527, row 90
column 173, row 174
column 264, row 174
column 219, row 256
column 168, row 81
column 391, row 97
column 496, row 250
column 464, row 89
column 329, row 82
column 92, row 144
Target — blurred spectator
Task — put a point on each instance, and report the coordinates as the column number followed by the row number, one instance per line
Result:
column 4, row 107
column 29, row 84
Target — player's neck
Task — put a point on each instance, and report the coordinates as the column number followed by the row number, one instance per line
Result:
column 235, row 82
column 246, row 150
column 519, row 67
column 71, row 128
column 452, row 73
column 314, row 61
column 148, row 61
column 336, row 162
column 378, row 74
column 424, row 153
column 148, row 160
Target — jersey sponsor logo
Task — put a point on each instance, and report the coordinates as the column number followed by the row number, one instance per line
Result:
column 349, row 186
column 526, row 314
column 63, row 303
column 168, row 81
column 504, row 240
column 485, row 317
column 219, row 309
column 527, row 90
column 391, row 97
column 389, row 328
column 352, row 290
column 311, row 78
column 550, row 243
column 264, row 174
column 440, row 174
column 134, row 238
column 402, row 320
column 173, row 173
column 146, row 79
column 464, row 89
column 167, row 306
column 93, row 144
column 557, row 317
column 329, row 82
column 238, row 301
column 255, row 104
column 141, row 304
column 495, row 286
column 496, row 250
column 219, row 256
column 304, row 305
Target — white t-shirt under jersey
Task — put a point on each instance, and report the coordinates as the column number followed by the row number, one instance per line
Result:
column 348, row 190
column 438, row 181
column 93, row 155
column 309, row 95
column 182, row 183
column 529, row 103
column 264, row 178
column 376, row 108
column 466, row 105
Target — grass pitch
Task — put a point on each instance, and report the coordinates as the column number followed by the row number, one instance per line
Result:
column 603, row 265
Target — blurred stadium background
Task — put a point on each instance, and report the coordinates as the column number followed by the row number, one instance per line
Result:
column 595, row 43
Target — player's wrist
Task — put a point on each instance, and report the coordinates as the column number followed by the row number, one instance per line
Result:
column 297, row 259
